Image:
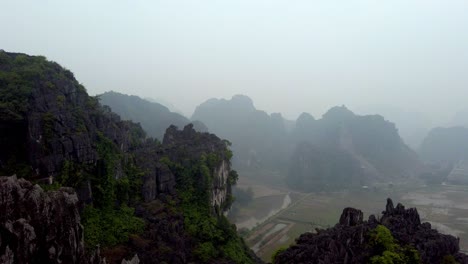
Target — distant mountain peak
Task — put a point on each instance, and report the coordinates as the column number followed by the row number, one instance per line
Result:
column 154, row 117
column 242, row 99
column 305, row 117
column 338, row 113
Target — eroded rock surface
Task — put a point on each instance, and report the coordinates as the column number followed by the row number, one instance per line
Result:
column 38, row 226
column 348, row 241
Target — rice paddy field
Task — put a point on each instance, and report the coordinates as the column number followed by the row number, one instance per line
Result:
column 277, row 216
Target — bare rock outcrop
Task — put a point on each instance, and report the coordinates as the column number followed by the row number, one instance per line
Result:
column 349, row 240
column 38, row 226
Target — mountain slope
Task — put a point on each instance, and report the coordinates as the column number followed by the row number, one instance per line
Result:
column 153, row 117
column 135, row 194
column 259, row 139
column 445, row 149
column 445, row 145
column 348, row 149
column 339, row 150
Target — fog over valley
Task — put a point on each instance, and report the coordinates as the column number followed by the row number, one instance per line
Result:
column 247, row 131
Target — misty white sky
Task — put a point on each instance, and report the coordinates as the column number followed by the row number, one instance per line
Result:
column 289, row 56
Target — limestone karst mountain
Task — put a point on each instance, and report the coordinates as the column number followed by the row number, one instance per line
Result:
column 445, row 145
column 343, row 149
column 340, row 149
column 259, row 139
column 90, row 179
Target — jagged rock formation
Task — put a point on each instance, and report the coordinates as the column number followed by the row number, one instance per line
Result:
column 188, row 144
column 165, row 237
column 132, row 191
column 38, row 226
column 48, row 120
column 350, row 242
column 134, row 260
column 158, row 178
column 220, row 190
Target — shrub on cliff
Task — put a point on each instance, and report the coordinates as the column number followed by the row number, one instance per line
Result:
column 388, row 250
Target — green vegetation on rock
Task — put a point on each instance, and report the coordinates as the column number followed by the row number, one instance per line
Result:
column 214, row 236
column 388, row 251
column 52, row 131
column 109, row 221
column 110, row 226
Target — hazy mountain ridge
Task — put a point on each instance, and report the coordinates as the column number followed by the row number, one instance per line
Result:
column 259, row 139
column 369, row 145
column 445, row 149
column 445, row 145
column 153, row 117
column 412, row 125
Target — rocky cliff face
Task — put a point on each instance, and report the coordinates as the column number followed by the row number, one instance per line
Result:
column 350, row 241
column 182, row 146
column 158, row 178
column 220, row 187
column 135, row 195
column 51, row 121
column 188, row 143
column 38, row 226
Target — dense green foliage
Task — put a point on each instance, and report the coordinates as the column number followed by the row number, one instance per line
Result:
column 110, row 226
column 109, row 220
column 17, row 83
column 388, row 251
column 214, row 236
column 57, row 133
column 19, row 74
